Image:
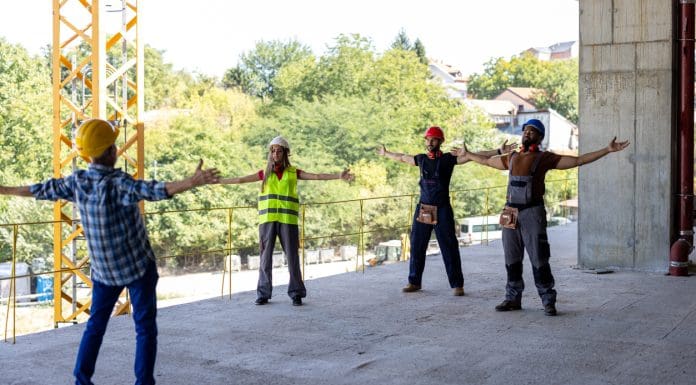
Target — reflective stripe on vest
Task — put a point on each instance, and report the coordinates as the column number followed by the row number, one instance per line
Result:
column 278, row 202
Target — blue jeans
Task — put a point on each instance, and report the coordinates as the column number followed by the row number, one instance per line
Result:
column 144, row 300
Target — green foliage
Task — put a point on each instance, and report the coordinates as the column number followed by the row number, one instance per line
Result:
column 401, row 41
column 25, row 139
column 419, row 49
column 258, row 68
column 164, row 87
column 558, row 79
column 25, row 115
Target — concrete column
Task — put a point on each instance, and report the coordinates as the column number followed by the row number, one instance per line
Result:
column 626, row 90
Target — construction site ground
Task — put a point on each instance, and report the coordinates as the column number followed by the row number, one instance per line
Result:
column 618, row 327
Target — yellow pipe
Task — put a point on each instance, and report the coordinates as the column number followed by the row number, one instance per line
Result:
column 12, row 294
column 362, row 237
column 302, row 240
column 230, row 241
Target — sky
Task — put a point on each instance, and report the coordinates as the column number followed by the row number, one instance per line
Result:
column 208, row 36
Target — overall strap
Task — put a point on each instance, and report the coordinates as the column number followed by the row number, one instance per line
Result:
column 437, row 166
column 537, row 160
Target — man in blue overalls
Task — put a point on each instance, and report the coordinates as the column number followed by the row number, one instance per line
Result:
column 525, row 193
column 434, row 210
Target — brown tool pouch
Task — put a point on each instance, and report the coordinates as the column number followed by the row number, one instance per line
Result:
column 508, row 218
column 427, row 214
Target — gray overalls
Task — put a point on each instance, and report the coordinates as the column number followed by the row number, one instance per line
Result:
column 530, row 234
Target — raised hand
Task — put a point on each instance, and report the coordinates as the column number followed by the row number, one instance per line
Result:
column 505, row 147
column 347, row 176
column 617, row 146
column 208, row 176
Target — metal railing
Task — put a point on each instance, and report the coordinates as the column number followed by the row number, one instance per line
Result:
column 360, row 230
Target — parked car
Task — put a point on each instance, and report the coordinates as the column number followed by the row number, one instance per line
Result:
column 555, row 221
column 475, row 230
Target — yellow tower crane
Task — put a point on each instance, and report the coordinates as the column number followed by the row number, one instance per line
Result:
column 93, row 77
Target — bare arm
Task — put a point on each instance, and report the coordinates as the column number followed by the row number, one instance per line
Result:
column 345, row 175
column 200, row 177
column 568, row 161
column 409, row 159
column 242, row 179
column 491, row 158
column 20, row 191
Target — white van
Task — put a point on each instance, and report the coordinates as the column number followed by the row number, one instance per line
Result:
column 477, row 230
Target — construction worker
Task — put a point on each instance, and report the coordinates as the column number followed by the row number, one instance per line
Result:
column 278, row 206
column 434, row 210
column 117, row 241
column 525, row 210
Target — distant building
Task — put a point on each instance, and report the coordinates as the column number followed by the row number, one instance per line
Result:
column 521, row 97
column 558, row 51
column 451, row 77
column 511, row 109
column 502, row 112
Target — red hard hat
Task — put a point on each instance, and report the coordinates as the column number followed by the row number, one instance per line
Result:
column 435, row 132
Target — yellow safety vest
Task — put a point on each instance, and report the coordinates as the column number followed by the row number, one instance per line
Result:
column 278, row 202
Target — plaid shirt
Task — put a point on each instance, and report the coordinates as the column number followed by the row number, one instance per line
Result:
column 108, row 202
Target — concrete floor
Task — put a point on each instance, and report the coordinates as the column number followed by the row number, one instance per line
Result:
column 619, row 328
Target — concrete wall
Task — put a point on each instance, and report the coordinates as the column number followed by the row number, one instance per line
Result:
column 626, row 90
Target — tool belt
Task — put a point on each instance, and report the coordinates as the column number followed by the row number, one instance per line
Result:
column 427, row 214
column 508, row 217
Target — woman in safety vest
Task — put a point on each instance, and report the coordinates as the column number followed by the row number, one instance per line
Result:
column 278, row 207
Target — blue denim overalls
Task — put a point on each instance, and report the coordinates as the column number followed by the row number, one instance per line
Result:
column 434, row 193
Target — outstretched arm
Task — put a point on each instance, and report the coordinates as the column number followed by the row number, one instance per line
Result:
column 490, row 161
column 409, row 159
column 242, row 179
column 568, row 161
column 20, row 191
column 504, row 149
column 200, row 177
column 345, row 175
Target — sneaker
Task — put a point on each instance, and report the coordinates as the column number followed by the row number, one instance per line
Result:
column 509, row 305
column 261, row 301
column 297, row 301
column 458, row 291
column 410, row 288
column 550, row 310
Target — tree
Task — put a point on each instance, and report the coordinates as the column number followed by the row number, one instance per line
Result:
column 558, row 79
column 25, row 139
column 257, row 69
column 164, row 87
column 419, row 49
column 401, row 42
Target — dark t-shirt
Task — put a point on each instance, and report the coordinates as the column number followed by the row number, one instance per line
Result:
column 522, row 165
column 436, row 190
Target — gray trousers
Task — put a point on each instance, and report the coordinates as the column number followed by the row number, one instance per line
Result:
column 530, row 234
column 290, row 241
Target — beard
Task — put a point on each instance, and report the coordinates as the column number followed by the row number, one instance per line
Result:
column 526, row 142
column 432, row 148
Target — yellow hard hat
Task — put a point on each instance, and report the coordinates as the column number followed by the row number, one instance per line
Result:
column 94, row 136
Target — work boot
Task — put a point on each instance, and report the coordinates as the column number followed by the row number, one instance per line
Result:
column 458, row 291
column 550, row 309
column 261, row 301
column 297, row 301
column 410, row 288
column 508, row 305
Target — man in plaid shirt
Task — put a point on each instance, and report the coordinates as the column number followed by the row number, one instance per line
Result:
column 117, row 241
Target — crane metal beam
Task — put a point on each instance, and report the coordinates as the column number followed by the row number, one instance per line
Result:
column 93, row 77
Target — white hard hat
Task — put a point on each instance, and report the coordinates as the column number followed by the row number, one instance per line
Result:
column 279, row 140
